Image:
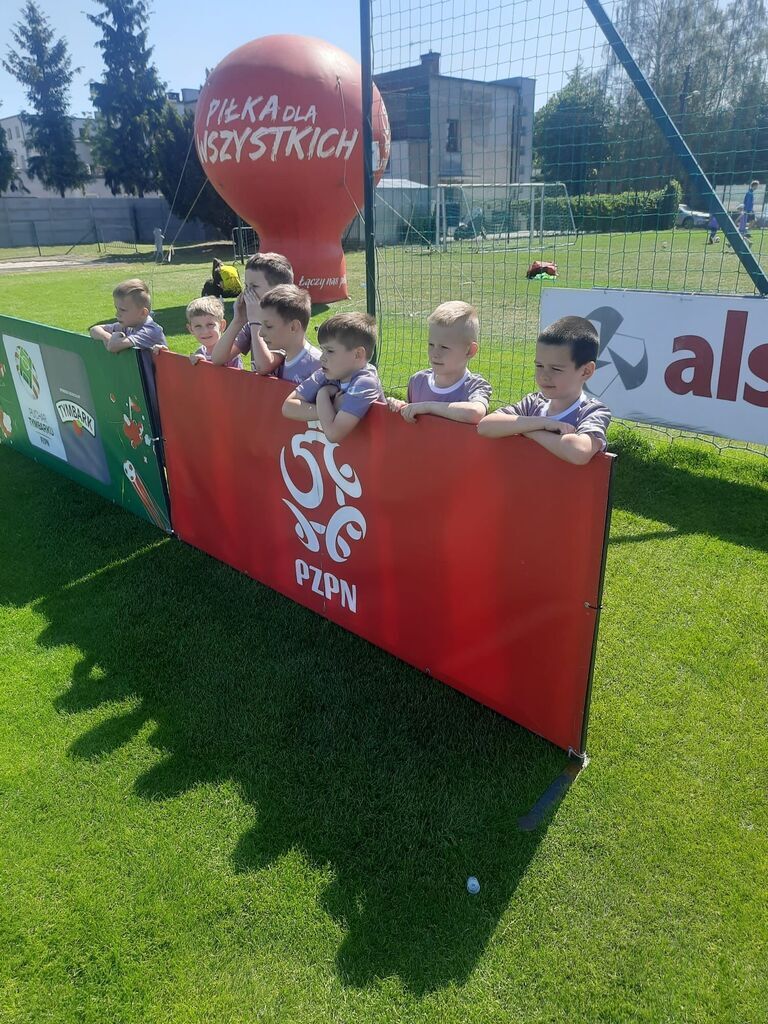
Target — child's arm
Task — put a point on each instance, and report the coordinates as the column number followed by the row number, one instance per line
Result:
column 295, row 408
column 462, row 412
column 336, row 425
column 264, row 360
column 571, row 447
column 99, row 333
column 225, row 348
column 118, row 342
column 502, row 424
column 396, row 404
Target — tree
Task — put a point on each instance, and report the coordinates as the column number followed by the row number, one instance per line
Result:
column 43, row 66
column 571, row 132
column 129, row 101
column 7, row 170
column 181, row 178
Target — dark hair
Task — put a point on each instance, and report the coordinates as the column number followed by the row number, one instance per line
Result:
column 289, row 302
column 577, row 333
column 352, row 330
column 273, row 266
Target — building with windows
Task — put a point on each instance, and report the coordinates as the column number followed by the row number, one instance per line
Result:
column 448, row 130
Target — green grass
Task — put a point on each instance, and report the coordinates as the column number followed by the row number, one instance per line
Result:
column 216, row 807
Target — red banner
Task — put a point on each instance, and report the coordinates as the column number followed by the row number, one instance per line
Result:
column 477, row 561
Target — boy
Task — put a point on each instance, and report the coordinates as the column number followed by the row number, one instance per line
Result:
column 561, row 418
column 135, row 328
column 747, row 209
column 205, row 319
column 448, row 389
column 342, row 392
column 284, row 351
column 262, row 272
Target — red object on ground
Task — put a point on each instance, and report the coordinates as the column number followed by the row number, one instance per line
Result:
column 541, row 267
column 477, row 561
column 278, row 130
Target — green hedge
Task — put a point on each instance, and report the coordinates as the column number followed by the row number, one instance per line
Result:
column 628, row 211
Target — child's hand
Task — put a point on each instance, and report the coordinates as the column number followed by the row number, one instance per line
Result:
column 330, row 389
column 156, row 349
column 195, row 357
column 558, row 427
column 239, row 312
column 395, row 404
column 410, row 412
column 252, row 304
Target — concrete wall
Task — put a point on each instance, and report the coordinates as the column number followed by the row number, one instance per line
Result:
column 28, row 221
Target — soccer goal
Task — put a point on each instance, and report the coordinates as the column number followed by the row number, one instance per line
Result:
column 502, row 216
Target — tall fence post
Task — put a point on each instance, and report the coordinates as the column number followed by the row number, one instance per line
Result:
column 368, row 169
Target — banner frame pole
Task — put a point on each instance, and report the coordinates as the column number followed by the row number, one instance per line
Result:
column 581, row 755
column 368, row 169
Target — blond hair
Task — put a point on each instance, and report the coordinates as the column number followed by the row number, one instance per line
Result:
column 208, row 305
column 275, row 268
column 134, row 289
column 457, row 314
column 351, row 330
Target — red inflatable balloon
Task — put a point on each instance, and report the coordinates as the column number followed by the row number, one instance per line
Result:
column 278, row 131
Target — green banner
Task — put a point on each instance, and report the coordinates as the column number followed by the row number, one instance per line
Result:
column 71, row 405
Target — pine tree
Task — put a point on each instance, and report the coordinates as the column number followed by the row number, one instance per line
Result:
column 43, row 66
column 7, row 171
column 129, row 101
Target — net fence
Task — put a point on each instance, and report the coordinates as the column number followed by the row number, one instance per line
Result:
column 518, row 136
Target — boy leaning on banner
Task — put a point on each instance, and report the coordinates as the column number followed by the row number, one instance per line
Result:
column 559, row 417
column 340, row 393
column 448, row 389
column 134, row 328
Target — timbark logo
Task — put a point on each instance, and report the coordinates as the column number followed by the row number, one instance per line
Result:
column 71, row 412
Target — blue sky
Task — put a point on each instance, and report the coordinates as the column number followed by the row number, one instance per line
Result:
column 478, row 38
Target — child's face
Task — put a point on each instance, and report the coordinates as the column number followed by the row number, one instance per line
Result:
column 556, row 373
column 279, row 333
column 207, row 329
column 129, row 312
column 448, row 349
column 256, row 285
column 338, row 362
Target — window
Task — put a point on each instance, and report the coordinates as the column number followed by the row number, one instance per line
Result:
column 18, row 132
column 454, row 141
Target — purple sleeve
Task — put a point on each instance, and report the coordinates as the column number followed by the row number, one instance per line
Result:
column 307, row 390
column 361, row 395
column 243, row 340
column 148, row 336
column 525, row 407
column 479, row 390
column 596, row 422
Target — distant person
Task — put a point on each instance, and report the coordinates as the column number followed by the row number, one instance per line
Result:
column 559, row 417
column 448, row 389
column 712, row 226
column 205, row 319
column 263, row 271
column 159, row 238
column 339, row 394
column 282, row 349
column 748, row 209
column 134, row 328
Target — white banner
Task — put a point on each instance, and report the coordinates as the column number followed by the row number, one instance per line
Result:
column 698, row 362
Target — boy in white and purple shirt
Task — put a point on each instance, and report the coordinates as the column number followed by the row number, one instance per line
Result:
column 263, row 271
column 560, row 417
column 341, row 392
column 448, row 389
column 205, row 319
column 283, row 349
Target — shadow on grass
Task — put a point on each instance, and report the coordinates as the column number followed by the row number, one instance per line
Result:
column 677, row 484
column 396, row 785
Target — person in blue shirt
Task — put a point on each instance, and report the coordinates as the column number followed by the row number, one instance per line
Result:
column 748, row 211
